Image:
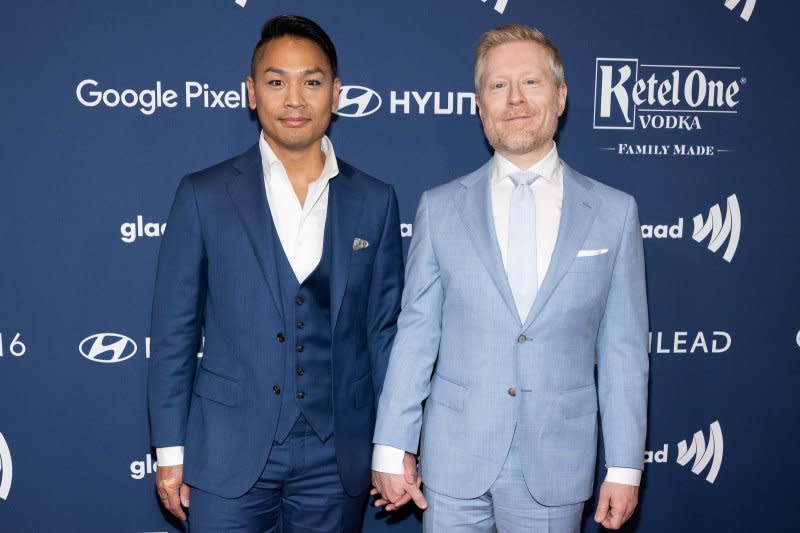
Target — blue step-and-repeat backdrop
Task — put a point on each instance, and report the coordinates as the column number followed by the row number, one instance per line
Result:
column 690, row 105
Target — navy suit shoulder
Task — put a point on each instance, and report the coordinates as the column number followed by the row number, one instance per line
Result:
column 365, row 182
column 218, row 174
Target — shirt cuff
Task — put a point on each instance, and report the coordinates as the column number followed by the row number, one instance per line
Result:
column 626, row 476
column 169, row 456
column 387, row 459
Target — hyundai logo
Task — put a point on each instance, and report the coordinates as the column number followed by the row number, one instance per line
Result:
column 107, row 348
column 358, row 101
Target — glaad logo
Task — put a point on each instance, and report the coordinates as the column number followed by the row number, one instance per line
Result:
column 141, row 468
column 240, row 3
column 107, row 348
column 720, row 230
column 499, row 5
column 6, row 469
column 358, row 101
column 129, row 231
column 747, row 11
column 703, row 453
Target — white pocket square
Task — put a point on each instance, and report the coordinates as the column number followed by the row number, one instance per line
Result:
column 359, row 244
column 590, row 253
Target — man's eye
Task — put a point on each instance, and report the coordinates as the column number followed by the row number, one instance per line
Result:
column 531, row 82
column 498, row 85
column 314, row 83
column 274, row 83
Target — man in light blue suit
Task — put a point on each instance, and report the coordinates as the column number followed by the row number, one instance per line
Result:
column 524, row 313
column 290, row 262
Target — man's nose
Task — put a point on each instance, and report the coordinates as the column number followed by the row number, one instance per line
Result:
column 515, row 94
column 294, row 95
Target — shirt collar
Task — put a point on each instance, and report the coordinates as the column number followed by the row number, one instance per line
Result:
column 270, row 161
column 547, row 167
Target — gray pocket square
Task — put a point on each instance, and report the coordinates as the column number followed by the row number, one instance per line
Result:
column 359, row 243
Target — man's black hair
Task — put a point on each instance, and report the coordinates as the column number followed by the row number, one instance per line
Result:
column 295, row 26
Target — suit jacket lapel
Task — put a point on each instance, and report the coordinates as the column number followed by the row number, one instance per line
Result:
column 474, row 206
column 344, row 206
column 578, row 209
column 249, row 196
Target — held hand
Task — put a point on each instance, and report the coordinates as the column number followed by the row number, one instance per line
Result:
column 616, row 504
column 173, row 492
column 396, row 490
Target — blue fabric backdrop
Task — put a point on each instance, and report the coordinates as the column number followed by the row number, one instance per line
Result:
column 688, row 104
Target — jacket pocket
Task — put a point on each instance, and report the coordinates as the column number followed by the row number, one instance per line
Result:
column 362, row 391
column 447, row 393
column 578, row 402
column 217, row 388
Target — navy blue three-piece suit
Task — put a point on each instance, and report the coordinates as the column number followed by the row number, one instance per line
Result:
column 283, row 400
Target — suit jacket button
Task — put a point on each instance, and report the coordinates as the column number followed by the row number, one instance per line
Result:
column 301, row 395
column 300, row 348
column 512, row 391
column 300, row 325
column 276, row 389
column 299, row 300
column 522, row 339
column 300, row 371
column 281, row 337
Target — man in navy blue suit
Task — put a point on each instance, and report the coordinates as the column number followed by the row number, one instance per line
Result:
column 289, row 261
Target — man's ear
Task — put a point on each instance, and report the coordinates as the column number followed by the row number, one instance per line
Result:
column 337, row 85
column 251, row 92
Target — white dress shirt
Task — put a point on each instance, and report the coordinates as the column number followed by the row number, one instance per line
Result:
column 548, row 194
column 300, row 228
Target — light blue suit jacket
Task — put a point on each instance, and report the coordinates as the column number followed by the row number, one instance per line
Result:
column 461, row 345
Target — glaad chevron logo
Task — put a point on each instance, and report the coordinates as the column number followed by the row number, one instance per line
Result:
column 358, row 101
column 240, row 3
column 107, row 348
column 6, row 469
column 703, row 453
column 499, row 5
column 720, row 230
column 747, row 10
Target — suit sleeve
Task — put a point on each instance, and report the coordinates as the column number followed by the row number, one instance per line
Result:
column 385, row 291
column 416, row 345
column 622, row 359
column 176, row 320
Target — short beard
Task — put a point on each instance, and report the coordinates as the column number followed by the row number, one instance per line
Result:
column 519, row 144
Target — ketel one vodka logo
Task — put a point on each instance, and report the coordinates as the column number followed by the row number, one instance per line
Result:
column 630, row 95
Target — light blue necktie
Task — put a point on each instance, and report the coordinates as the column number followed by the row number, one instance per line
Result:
column 522, row 274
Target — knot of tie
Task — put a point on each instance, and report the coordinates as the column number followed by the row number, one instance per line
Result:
column 523, row 178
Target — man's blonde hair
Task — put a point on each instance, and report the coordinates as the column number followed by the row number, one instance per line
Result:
column 509, row 33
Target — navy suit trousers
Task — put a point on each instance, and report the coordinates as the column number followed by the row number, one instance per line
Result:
column 299, row 491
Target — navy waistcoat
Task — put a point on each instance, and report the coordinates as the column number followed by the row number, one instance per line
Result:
column 308, row 382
